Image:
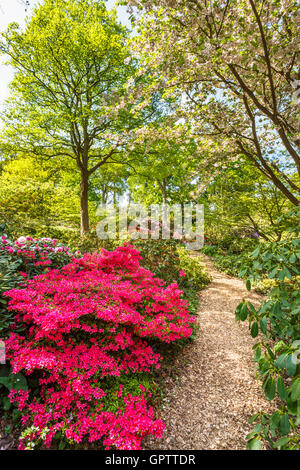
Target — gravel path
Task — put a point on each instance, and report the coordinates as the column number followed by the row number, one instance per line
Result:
column 209, row 406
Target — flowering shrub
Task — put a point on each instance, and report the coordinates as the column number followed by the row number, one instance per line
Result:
column 22, row 259
column 34, row 254
column 171, row 261
column 87, row 323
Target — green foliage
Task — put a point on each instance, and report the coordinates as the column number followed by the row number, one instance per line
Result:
column 9, row 381
column 161, row 173
column 89, row 242
column 241, row 202
column 230, row 264
column 166, row 258
column 196, row 276
column 230, row 252
column 36, row 199
column 264, row 285
column 278, row 352
column 14, row 381
column 161, row 257
column 131, row 383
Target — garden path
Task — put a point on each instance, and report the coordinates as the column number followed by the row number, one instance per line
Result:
column 209, row 404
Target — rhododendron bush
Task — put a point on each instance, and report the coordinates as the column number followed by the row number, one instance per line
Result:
column 24, row 258
column 87, row 324
column 32, row 254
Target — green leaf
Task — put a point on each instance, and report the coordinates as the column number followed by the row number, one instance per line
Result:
column 6, row 403
column 291, row 365
column 263, row 323
column 253, row 418
column 270, row 388
column 14, row 381
column 254, row 444
column 248, row 284
column 257, row 354
column 281, row 442
column 281, row 388
column 244, row 312
column 287, row 273
column 252, row 308
column 254, row 329
column 275, row 418
column 61, row 445
column 273, row 272
column 280, row 362
column 295, row 390
column 284, row 425
column 291, row 405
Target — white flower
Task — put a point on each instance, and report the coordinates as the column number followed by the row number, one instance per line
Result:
column 22, row 240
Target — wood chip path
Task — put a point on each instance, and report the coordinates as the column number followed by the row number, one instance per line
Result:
column 209, row 405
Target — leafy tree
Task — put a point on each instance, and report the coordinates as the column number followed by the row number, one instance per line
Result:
column 109, row 183
column 235, row 62
column 242, row 201
column 164, row 161
column 70, row 69
column 35, row 199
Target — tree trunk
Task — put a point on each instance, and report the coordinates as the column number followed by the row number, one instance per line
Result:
column 165, row 231
column 84, row 206
column 164, row 192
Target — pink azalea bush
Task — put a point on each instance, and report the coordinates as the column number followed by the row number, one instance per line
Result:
column 22, row 259
column 88, row 328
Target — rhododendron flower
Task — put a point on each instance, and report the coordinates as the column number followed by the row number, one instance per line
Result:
column 85, row 323
column 182, row 273
column 22, row 240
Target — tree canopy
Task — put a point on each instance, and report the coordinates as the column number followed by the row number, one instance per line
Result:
column 236, row 64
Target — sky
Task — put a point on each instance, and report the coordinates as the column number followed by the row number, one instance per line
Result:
column 15, row 11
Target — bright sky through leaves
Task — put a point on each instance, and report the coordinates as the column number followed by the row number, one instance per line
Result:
column 15, row 11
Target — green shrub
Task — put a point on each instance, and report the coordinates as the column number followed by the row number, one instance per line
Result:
column 230, row 264
column 278, row 352
column 89, row 242
column 264, row 286
column 210, row 250
column 161, row 257
column 196, row 275
column 230, row 253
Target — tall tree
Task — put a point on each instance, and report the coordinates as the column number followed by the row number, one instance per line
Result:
column 236, row 63
column 71, row 64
